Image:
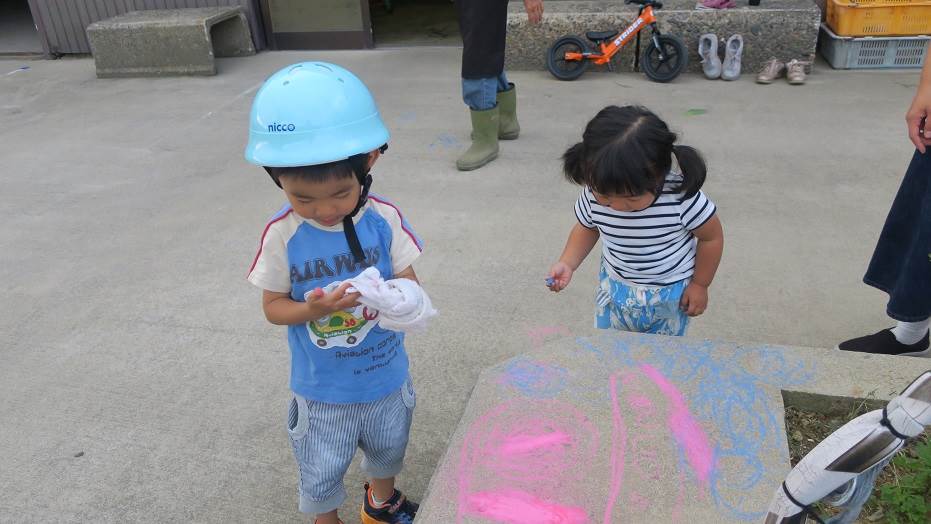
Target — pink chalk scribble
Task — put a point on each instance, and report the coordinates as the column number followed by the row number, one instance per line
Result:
column 690, row 436
column 520, row 444
column 618, row 448
column 518, row 458
column 640, row 402
column 637, row 502
column 522, row 447
column 518, row 507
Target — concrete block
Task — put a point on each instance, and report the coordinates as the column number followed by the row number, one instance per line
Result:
column 785, row 29
column 168, row 41
column 622, row 427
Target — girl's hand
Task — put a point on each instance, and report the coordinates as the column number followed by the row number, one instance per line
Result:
column 322, row 304
column 694, row 300
column 560, row 274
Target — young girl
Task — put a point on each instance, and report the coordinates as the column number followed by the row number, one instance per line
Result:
column 661, row 239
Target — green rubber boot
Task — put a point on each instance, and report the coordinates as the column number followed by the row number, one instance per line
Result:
column 508, row 128
column 484, row 146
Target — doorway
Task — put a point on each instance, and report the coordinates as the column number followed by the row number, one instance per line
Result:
column 399, row 23
column 18, row 34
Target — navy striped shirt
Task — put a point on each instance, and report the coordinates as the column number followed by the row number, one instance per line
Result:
column 654, row 246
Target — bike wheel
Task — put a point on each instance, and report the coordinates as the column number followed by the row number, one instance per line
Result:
column 675, row 58
column 556, row 58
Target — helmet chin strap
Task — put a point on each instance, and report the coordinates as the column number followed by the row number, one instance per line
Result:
column 359, row 165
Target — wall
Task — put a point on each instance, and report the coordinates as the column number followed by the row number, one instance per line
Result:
column 62, row 23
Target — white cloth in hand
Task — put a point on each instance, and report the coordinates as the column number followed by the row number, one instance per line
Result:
column 402, row 304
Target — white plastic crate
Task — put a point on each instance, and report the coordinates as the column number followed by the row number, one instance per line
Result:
column 846, row 52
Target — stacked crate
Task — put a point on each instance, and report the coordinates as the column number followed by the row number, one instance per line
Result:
column 876, row 33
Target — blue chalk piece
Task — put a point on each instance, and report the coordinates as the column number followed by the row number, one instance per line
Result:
column 550, row 281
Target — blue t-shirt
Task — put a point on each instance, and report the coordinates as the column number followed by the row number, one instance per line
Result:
column 345, row 357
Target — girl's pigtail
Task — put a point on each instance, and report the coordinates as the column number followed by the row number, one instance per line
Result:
column 693, row 169
column 573, row 164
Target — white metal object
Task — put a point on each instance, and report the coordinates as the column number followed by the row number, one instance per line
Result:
column 858, row 446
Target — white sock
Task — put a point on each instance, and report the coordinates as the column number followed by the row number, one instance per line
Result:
column 375, row 502
column 909, row 333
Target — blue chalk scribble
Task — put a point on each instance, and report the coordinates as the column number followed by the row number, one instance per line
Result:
column 445, row 141
column 535, row 379
column 727, row 396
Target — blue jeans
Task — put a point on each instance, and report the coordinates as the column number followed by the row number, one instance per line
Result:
column 481, row 93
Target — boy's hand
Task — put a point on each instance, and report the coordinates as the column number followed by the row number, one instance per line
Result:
column 694, row 300
column 560, row 275
column 322, row 304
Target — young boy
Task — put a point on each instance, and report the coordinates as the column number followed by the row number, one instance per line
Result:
column 316, row 130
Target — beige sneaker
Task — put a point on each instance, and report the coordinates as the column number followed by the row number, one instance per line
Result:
column 795, row 71
column 772, row 70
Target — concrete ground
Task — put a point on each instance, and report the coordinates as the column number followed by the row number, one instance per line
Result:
column 139, row 380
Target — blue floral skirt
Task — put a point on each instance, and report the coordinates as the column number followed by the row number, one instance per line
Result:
column 643, row 309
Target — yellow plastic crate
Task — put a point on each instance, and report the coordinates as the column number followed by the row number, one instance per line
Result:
column 879, row 17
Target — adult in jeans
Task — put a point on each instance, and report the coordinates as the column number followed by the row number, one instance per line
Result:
column 901, row 264
column 492, row 100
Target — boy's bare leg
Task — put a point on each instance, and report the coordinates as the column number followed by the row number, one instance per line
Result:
column 327, row 518
column 383, row 489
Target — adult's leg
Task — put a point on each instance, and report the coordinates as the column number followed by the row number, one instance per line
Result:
column 901, row 266
column 480, row 95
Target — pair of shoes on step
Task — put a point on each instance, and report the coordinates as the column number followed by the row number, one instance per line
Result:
column 711, row 63
column 715, row 4
column 774, row 68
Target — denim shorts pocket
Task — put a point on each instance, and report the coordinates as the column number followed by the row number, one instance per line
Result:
column 298, row 419
column 408, row 395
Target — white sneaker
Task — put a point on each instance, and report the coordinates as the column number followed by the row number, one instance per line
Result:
column 708, row 51
column 732, row 53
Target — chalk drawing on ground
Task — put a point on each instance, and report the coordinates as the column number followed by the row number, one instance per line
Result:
column 711, row 411
column 517, row 459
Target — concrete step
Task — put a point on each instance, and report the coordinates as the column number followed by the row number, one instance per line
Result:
column 622, row 427
column 168, row 41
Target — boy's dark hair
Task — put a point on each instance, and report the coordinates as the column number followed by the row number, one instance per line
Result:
column 356, row 166
column 628, row 151
column 317, row 173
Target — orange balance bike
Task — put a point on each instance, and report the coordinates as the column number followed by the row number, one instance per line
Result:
column 663, row 59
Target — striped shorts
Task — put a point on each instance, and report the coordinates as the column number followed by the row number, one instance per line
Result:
column 325, row 437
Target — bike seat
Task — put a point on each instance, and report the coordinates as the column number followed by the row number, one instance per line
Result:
column 597, row 36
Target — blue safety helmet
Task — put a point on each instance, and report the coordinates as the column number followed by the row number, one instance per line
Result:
column 313, row 113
